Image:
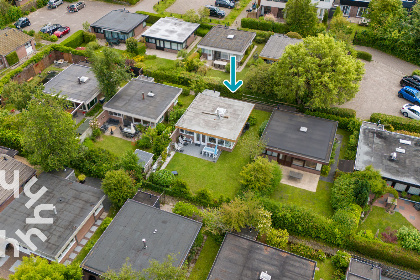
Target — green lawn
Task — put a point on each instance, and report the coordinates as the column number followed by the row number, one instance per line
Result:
column 346, row 136
column 319, row 202
column 205, row 260
column 186, row 100
column 325, row 271
column 222, row 177
column 158, row 63
column 380, row 219
column 115, row 145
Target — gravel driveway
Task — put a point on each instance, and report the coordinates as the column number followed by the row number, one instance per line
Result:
column 380, row 85
column 93, row 11
column 181, row 6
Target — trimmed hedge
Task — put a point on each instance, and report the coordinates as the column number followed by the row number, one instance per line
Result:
column 152, row 16
column 12, row 58
column 364, row 55
column 74, row 40
column 341, row 112
column 261, row 37
column 349, row 124
column 264, row 25
column 398, row 123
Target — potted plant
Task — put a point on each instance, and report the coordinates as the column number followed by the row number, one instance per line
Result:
column 81, row 178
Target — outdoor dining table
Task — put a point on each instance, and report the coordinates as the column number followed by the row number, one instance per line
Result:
column 127, row 129
column 208, row 150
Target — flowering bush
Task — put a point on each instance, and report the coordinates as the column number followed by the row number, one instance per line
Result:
column 409, row 238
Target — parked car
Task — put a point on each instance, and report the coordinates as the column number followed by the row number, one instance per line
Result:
column 22, row 22
column 225, row 3
column 411, row 111
column 60, row 32
column 215, row 12
column 411, row 94
column 52, row 4
column 50, row 28
column 412, row 81
column 76, row 7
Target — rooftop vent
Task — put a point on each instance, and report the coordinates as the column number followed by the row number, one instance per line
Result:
column 394, row 156
column 150, row 94
column 264, row 276
column 303, row 129
column 400, row 150
column 402, row 141
column 82, row 79
column 220, row 112
column 230, row 36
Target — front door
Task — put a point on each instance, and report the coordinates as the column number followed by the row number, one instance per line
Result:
column 200, row 139
column 159, row 45
column 286, row 160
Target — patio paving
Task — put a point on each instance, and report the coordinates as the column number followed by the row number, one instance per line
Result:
column 116, row 132
column 9, row 263
column 308, row 182
column 405, row 208
column 195, row 151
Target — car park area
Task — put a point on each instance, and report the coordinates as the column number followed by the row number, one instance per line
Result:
column 181, row 6
column 378, row 91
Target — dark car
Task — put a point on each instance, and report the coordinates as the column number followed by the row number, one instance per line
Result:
column 225, row 3
column 60, row 32
column 76, row 7
column 50, row 28
column 22, row 22
column 215, row 12
column 412, row 81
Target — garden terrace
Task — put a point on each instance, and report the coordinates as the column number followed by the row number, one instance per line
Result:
column 241, row 258
column 395, row 155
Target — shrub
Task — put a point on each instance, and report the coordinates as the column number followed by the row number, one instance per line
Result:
column 294, row 35
column 81, row 177
column 180, row 189
column 131, row 44
column 416, row 72
column 163, row 178
column 41, row 3
column 409, row 238
column 252, row 120
column 186, row 209
column 265, row 25
column 88, row 37
column 12, row 58
column 399, row 123
column 93, row 45
column 141, row 49
column 368, row 234
column 94, row 162
column 144, row 142
column 325, row 170
column 204, row 197
column 262, row 127
column 11, row 139
column 364, row 55
column 277, row 237
column 389, row 235
column 307, row 251
column 53, row 38
column 341, row 260
column 351, row 150
column 347, row 219
column 105, row 224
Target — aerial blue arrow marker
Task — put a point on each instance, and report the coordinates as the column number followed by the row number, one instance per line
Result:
column 233, row 85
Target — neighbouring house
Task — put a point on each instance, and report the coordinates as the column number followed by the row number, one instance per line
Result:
column 395, row 155
column 145, row 159
column 79, row 85
column 148, row 199
column 9, row 165
column 76, row 208
column 13, row 40
column 140, row 233
column 241, row 258
column 359, row 270
column 220, row 43
column 276, row 7
column 357, row 8
column 170, row 34
column 275, row 47
column 141, row 101
column 213, row 120
column 119, row 24
column 299, row 141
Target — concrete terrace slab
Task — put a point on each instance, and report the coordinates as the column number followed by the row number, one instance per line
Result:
column 308, row 182
column 94, row 228
column 84, row 241
column 16, row 264
column 3, row 260
column 88, row 235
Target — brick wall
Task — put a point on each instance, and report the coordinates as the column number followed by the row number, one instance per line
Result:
column 139, row 30
column 99, row 35
column 150, row 45
column 21, row 52
column 190, row 40
column 353, row 11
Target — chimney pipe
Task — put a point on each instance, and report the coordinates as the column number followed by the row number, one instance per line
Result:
column 55, row 210
column 144, row 243
column 143, row 95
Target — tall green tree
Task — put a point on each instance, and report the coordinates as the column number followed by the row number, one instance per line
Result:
column 338, row 12
column 253, row 145
column 119, row 187
column 383, row 12
column 319, row 72
column 37, row 268
column 164, row 270
column 110, row 70
column 19, row 94
column 301, row 16
column 414, row 24
column 341, row 29
column 49, row 134
column 129, row 162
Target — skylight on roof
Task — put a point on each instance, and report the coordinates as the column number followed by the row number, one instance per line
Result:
column 400, row 150
column 230, row 36
column 405, row 142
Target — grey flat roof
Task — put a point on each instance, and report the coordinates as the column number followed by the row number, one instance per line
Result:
column 73, row 201
column 146, row 198
column 171, row 29
column 144, row 157
column 9, row 165
column 120, row 20
column 123, row 238
column 129, row 100
column 375, row 147
column 66, row 83
column 283, row 133
column 8, row 151
column 216, row 38
column 201, row 117
column 360, row 270
column 276, row 45
column 241, row 258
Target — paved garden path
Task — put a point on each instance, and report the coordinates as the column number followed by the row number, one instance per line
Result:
column 330, row 177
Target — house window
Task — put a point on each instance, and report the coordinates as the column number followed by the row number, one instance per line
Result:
column 92, row 103
column 310, row 164
column 361, row 11
column 181, row 130
column 184, row 44
column 167, row 45
column 188, row 132
column 346, row 10
column 298, row 162
column 269, row 153
column 212, row 140
column 224, row 56
column 275, row 154
column 144, row 23
column 97, row 30
column 161, row 119
column 115, row 114
column 318, row 167
column 174, row 46
column 413, row 190
column 150, row 40
column 228, row 144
